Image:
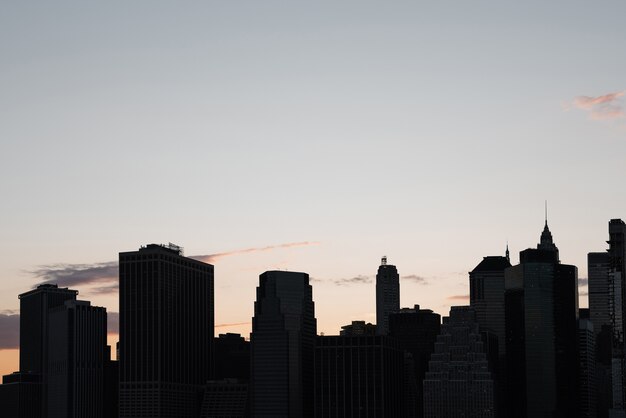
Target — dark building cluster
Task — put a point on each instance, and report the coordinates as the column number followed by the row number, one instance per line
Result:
column 521, row 349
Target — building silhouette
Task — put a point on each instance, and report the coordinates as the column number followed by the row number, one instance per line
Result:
column 232, row 357
column 458, row 382
column 357, row 329
column 587, row 357
column 541, row 303
column 76, row 360
column 387, row 295
column 359, row 376
column 416, row 331
column 607, row 310
column 166, row 332
column 35, row 306
column 283, row 346
column 20, row 395
column 487, row 301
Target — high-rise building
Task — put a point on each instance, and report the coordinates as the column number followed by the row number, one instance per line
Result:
column 458, row 382
column 387, row 295
column 35, row 306
column 587, row 359
column 607, row 289
column 76, row 360
column 487, row 300
column 359, row 377
column 541, row 303
column 416, row 331
column 283, row 346
column 166, row 332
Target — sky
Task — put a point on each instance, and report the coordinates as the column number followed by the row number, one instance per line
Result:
column 306, row 136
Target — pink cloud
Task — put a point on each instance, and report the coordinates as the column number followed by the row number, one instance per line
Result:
column 211, row 258
column 603, row 107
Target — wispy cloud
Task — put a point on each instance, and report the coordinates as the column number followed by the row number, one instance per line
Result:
column 458, row 297
column 360, row 279
column 232, row 324
column 607, row 106
column 212, row 258
column 415, row 278
column 9, row 331
column 75, row 275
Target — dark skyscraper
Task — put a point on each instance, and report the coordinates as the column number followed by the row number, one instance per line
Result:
column 541, row 297
column 35, row 306
column 76, row 360
column 359, row 377
column 587, row 358
column 416, row 330
column 607, row 309
column 487, row 300
column 166, row 332
column 387, row 295
column 282, row 345
column 458, row 382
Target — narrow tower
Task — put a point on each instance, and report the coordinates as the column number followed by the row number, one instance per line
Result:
column 387, row 295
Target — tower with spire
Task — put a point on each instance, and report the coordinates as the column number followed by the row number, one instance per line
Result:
column 541, row 305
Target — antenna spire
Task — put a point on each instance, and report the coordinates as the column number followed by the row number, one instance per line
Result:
column 546, row 209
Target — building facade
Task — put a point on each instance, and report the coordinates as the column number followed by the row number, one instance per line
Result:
column 387, row 295
column 541, row 303
column 283, row 346
column 76, row 360
column 458, row 382
column 359, row 377
column 166, row 332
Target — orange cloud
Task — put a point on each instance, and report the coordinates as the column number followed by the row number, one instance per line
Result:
column 212, row 258
column 607, row 106
column 458, row 297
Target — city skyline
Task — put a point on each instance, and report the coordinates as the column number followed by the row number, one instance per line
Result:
column 315, row 137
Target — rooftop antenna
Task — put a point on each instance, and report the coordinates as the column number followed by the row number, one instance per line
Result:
column 546, row 203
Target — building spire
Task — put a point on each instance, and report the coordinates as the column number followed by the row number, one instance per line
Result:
column 507, row 252
column 546, row 209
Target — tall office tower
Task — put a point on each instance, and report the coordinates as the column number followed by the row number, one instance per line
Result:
column 359, row 377
column 602, row 296
column 606, row 296
column 387, row 295
column 111, row 385
column 416, row 330
column 283, row 346
column 458, row 382
column 76, row 360
column 541, row 303
column 166, row 332
column 34, row 329
column 487, row 300
column 587, row 358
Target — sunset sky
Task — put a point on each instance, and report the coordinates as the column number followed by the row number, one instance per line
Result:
column 313, row 136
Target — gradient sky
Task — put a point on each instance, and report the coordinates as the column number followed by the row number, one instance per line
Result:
column 320, row 135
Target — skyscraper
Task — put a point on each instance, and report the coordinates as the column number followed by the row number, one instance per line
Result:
column 387, row 295
column 359, row 377
column 35, row 307
column 416, row 331
column 458, row 382
column 541, row 303
column 587, row 358
column 487, row 300
column 166, row 332
column 76, row 360
column 283, row 346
